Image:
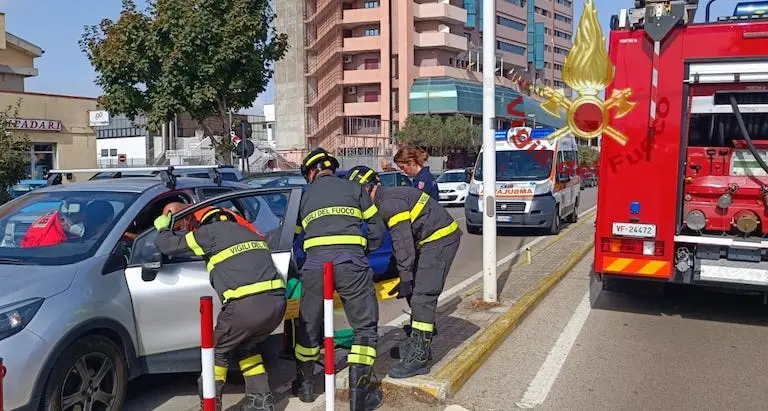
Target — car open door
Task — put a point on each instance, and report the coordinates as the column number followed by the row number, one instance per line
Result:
column 166, row 291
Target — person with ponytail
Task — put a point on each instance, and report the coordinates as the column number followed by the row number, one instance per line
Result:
column 413, row 162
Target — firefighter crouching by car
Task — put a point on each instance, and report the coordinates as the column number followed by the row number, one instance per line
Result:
column 425, row 239
column 251, row 289
column 331, row 215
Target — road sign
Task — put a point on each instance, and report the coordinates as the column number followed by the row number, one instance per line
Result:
column 246, row 145
column 121, row 158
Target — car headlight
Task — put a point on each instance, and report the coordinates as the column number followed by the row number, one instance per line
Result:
column 462, row 186
column 543, row 188
column 16, row 316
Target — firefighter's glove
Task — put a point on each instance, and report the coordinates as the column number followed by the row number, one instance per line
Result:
column 164, row 221
column 403, row 289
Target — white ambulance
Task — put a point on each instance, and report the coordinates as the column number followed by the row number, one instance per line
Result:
column 537, row 181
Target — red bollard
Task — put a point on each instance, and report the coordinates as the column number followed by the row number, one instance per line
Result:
column 2, row 377
column 206, row 353
column 330, row 363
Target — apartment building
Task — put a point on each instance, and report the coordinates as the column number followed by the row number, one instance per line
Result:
column 357, row 68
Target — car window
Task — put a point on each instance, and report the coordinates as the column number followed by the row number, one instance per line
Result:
column 451, row 177
column 198, row 175
column 264, row 211
column 403, row 180
column 229, row 177
column 59, row 227
column 388, row 179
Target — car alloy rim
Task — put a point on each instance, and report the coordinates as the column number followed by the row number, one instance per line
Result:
column 90, row 385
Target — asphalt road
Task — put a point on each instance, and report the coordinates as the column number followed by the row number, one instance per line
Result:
column 638, row 349
column 158, row 392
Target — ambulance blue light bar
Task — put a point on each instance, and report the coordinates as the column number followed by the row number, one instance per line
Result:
column 536, row 134
column 751, row 8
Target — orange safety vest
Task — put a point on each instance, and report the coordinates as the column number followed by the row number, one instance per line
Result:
column 206, row 213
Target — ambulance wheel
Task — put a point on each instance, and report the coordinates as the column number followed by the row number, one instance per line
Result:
column 554, row 227
column 473, row 229
column 91, row 373
column 574, row 217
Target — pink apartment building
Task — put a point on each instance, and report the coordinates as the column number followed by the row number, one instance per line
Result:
column 357, row 68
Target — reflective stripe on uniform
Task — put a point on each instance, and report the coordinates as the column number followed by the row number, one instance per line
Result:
column 353, row 175
column 409, row 215
column 193, row 245
column 370, row 212
column 365, row 176
column 253, row 365
column 307, row 354
column 219, row 373
column 332, row 211
column 443, row 232
column 361, row 354
column 235, row 250
column 426, row 327
column 335, row 240
column 298, row 229
column 255, row 288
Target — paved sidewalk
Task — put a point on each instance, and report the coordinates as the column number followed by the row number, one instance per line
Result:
column 461, row 321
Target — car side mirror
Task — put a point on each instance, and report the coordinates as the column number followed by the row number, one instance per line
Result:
column 563, row 177
column 153, row 261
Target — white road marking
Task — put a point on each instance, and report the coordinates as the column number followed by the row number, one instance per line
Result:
column 542, row 383
column 449, row 293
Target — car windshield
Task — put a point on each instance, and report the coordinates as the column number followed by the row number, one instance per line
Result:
column 276, row 181
column 60, row 227
column 452, row 177
column 520, row 165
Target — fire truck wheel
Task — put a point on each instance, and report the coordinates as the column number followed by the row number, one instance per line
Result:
column 554, row 228
column 91, row 373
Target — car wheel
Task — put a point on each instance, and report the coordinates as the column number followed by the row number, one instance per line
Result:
column 473, row 229
column 91, row 374
column 554, row 228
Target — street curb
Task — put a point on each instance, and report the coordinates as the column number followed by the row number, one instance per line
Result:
column 454, row 374
column 439, row 388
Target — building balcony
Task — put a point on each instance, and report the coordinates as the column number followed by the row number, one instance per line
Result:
column 440, row 40
column 444, row 12
column 372, row 108
column 361, row 44
column 362, row 76
column 563, row 26
column 458, row 73
column 359, row 17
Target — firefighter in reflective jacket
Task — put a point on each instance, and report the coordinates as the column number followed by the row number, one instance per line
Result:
column 331, row 215
column 425, row 239
column 251, row 289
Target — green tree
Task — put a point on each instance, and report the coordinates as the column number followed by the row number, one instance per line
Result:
column 588, row 156
column 202, row 57
column 14, row 160
column 440, row 136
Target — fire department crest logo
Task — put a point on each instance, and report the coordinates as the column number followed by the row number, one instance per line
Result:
column 587, row 70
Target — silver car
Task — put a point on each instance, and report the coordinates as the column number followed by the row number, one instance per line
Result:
column 87, row 302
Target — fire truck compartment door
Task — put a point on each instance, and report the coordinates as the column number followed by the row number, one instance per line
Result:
column 729, row 72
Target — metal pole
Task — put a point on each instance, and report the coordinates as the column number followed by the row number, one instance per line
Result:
column 328, row 341
column 206, row 353
column 489, row 151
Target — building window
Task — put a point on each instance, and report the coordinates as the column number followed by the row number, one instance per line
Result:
column 371, row 64
column 371, row 96
column 510, row 23
column 372, row 32
column 543, row 12
column 559, row 83
column 520, row 3
column 371, row 5
column 560, row 50
column 547, row 48
column 558, row 66
column 105, row 153
column 566, row 3
column 562, row 35
column 564, row 19
column 510, row 48
column 42, row 159
column 113, row 152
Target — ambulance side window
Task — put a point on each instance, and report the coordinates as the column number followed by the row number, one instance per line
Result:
column 572, row 160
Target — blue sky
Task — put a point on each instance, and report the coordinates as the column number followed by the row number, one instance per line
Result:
column 57, row 25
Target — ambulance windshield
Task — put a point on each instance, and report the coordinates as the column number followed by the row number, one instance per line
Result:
column 519, row 165
column 60, row 227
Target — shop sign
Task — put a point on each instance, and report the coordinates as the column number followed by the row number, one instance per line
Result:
column 98, row 118
column 33, row 124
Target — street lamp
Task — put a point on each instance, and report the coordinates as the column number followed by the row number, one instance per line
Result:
column 489, row 152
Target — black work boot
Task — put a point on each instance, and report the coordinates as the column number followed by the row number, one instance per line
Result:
column 258, row 401
column 219, row 391
column 418, row 355
column 303, row 385
column 363, row 396
column 400, row 351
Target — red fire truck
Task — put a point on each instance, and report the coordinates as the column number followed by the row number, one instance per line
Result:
column 686, row 199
